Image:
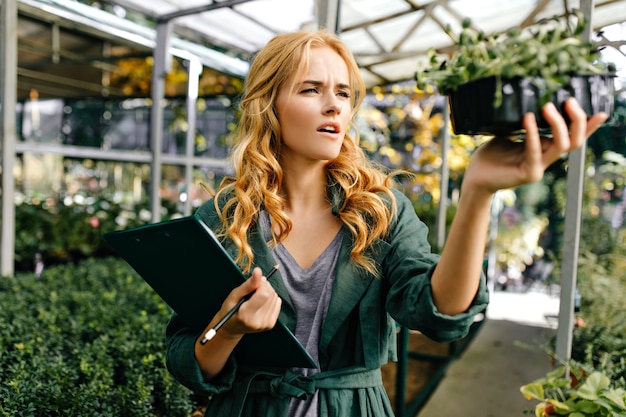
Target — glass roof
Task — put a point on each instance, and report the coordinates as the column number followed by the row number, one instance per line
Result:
column 388, row 37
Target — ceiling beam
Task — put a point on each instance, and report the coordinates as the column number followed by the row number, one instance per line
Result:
column 71, row 83
column 195, row 10
column 532, row 16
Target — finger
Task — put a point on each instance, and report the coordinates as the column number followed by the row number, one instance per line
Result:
column 578, row 123
column 595, row 122
column 560, row 133
column 264, row 292
column 532, row 141
column 262, row 311
column 254, row 283
column 257, row 279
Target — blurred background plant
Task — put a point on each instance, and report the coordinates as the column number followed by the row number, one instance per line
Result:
column 51, row 231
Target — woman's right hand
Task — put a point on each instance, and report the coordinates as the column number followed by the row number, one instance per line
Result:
column 258, row 314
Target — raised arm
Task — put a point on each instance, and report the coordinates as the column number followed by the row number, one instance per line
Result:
column 499, row 164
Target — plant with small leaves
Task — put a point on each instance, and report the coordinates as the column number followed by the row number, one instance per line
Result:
column 551, row 51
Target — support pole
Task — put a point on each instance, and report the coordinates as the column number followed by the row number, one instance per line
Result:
column 442, row 209
column 193, row 81
column 328, row 15
column 571, row 236
column 162, row 65
column 493, row 235
column 8, row 97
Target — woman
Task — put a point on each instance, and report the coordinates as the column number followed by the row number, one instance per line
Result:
column 353, row 256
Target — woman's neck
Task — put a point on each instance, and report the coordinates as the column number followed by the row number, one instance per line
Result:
column 305, row 191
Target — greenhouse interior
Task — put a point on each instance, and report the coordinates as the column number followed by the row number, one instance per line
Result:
column 85, row 152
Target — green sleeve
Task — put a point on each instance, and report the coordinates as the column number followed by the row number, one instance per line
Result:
column 181, row 361
column 408, row 269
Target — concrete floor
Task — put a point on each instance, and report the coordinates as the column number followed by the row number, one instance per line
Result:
column 485, row 380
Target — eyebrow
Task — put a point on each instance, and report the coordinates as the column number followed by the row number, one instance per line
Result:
column 318, row 83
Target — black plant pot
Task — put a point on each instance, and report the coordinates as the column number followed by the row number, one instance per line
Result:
column 473, row 112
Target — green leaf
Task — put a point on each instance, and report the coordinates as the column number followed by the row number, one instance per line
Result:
column 593, row 386
column 586, row 407
column 534, row 390
column 616, row 396
column 562, row 407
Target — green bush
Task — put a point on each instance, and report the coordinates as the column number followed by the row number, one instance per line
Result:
column 70, row 229
column 85, row 339
column 602, row 337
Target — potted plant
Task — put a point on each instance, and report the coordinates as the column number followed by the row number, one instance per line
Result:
column 581, row 392
column 493, row 80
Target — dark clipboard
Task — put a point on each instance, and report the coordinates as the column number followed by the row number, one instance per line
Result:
column 188, row 268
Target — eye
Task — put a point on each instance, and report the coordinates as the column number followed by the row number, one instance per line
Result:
column 309, row 90
column 345, row 94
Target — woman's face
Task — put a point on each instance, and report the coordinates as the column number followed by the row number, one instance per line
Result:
column 315, row 114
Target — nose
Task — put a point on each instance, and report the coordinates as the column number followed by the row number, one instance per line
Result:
column 332, row 108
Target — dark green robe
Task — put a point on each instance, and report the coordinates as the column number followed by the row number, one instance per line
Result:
column 357, row 337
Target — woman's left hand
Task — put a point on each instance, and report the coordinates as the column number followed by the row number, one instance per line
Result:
column 503, row 163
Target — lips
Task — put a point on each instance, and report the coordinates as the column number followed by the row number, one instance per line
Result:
column 330, row 127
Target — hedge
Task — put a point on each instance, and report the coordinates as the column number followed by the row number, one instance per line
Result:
column 85, row 339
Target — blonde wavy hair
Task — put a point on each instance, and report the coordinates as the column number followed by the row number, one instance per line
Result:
column 257, row 142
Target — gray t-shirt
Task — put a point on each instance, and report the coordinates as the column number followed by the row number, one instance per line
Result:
column 310, row 290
